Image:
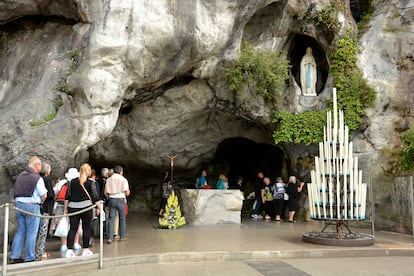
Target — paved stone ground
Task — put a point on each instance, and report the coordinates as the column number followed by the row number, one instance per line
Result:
column 251, row 248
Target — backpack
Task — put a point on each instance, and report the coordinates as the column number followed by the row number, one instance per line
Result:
column 62, row 193
column 276, row 193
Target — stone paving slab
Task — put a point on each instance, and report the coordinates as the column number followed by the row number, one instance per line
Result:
column 250, row 241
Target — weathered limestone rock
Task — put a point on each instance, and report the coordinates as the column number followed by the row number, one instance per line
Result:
column 148, row 81
column 210, row 206
column 386, row 59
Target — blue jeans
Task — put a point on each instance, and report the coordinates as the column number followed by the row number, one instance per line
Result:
column 27, row 227
column 258, row 208
column 116, row 204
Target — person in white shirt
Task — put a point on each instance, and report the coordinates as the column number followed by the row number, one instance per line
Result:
column 117, row 189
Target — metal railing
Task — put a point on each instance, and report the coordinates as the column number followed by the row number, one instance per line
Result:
column 6, row 207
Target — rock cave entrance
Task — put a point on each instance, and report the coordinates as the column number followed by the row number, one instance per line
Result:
column 243, row 157
column 299, row 44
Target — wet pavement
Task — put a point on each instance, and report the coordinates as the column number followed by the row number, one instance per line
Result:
column 251, row 241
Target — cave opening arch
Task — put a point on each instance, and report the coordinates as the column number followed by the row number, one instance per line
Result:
column 238, row 156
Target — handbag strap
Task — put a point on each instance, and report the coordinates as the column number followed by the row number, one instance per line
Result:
column 87, row 193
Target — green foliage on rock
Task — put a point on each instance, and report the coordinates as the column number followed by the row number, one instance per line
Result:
column 265, row 72
column 73, row 57
column 328, row 18
column 407, row 155
column 400, row 160
column 354, row 93
column 365, row 17
column 305, row 127
column 51, row 115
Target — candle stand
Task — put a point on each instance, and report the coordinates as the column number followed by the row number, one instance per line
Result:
column 336, row 193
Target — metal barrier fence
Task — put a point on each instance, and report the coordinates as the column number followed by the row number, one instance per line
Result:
column 6, row 207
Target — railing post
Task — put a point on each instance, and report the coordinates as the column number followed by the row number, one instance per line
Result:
column 101, row 218
column 371, row 192
column 5, row 240
column 412, row 203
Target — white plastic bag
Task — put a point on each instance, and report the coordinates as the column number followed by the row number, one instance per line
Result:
column 62, row 228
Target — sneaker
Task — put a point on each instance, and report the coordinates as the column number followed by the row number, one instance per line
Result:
column 69, row 254
column 267, row 217
column 123, row 239
column 109, row 242
column 77, row 246
column 87, row 252
column 63, row 249
column 259, row 217
column 16, row 261
column 253, row 216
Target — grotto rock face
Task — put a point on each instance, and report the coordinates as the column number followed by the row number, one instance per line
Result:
column 129, row 82
column 387, row 61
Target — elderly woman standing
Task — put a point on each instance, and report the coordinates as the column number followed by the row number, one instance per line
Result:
column 46, row 209
column 293, row 191
column 81, row 194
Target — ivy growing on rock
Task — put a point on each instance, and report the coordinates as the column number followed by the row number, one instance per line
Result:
column 354, row 93
column 305, row 127
column 265, row 72
column 407, row 155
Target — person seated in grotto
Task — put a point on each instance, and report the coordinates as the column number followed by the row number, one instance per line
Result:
column 222, row 183
column 308, row 74
column 201, row 181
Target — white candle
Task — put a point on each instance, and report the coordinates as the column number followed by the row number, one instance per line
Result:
column 345, row 197
column 324, row 190
column 329, row 124
column 351, row 187
column 356, row 187
column 338, row 195
column 330, row 197
column 310, row 194
column 361, row 191
column 364, row 198
column 335, row 111
column 346, row 143
column 318, row 190
column 321, row 153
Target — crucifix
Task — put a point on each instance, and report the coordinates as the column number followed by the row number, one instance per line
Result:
column 172, row 157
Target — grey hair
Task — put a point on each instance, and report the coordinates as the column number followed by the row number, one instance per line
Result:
column 45, row 168
column 292, row 178
column 118, row 169
column 104, row 172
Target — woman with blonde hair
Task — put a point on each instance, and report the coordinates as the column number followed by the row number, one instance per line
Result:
column 81, row 194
